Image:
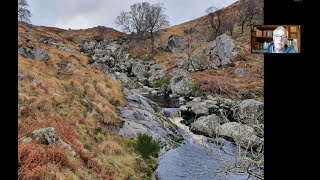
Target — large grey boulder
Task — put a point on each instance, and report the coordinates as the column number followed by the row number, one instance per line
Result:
column 47, row 136
column 227, row 109
column 198, row 62
column 88, row 47
column 180, row 83
column 163, row 46
column 139, row 117
column 199, row 108
column 156, row 71
column 206, row 125
column 33, row 53
column 102, row 67
column 124, row 66
column 243, row 135
column 174, row 44
column 102, row 55
column 112, row 46
column 140, row 71
column 109, row 53
column 138, row 101
column 252, row 111
column 126, row 81
column 225, row 48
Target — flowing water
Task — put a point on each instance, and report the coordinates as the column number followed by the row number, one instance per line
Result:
column 196, row 159
column 199, row 157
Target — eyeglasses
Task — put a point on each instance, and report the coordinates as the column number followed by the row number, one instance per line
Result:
column 278, row 36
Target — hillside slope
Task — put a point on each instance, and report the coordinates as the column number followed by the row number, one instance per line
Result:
column 57, row 88
column 223, row 81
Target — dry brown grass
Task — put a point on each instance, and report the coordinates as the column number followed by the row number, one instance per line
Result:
column 168, row 59
column 110, row 147
column 224, row 82
column 52, row 94
column 36, row 161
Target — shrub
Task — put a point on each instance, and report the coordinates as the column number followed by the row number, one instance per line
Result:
column 157, row 109
column 147, row 146
column 160, row 82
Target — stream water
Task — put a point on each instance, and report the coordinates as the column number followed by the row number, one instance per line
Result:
column 198, row 158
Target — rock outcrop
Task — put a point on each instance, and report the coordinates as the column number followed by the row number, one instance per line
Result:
column 33, row 53
column 174, row 44
column 243, row 135
column 180, row 82
column 139, row 117
column 207, row 125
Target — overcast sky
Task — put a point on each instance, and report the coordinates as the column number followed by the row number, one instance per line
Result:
column 82, row 14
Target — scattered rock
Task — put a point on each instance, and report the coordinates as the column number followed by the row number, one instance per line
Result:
column 243, row 135
column 206, row 125
column 163, row 46
column 49, row 42
column 180, row 83
column 47, row 136
column 21, row 76
column 140, row 71
column 156, row 71
column 126, row 81
column 239, row 72
column 33, row 53
column 196, row 99
column 252, row 111
column 88, row 47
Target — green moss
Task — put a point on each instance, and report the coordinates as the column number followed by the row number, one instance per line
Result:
column 85, row 114
column 160, row 82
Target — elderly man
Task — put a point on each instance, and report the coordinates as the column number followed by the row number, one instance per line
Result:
column 279, row 45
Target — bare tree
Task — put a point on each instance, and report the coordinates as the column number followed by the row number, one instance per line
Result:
column 143, row 19
column 155, row 21
column 229, row 23
column 134, row 21
column 190, row 34
column 247, row 10
column 24, row 13
column 216, row 19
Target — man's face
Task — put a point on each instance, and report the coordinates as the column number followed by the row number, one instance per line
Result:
column 279, row 39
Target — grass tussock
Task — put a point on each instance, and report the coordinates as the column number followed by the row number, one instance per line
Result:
column 77, row 100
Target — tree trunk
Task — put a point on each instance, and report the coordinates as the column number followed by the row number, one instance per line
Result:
column 242, row 26
column 152, row 42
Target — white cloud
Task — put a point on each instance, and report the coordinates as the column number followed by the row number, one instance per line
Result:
column 81, row 14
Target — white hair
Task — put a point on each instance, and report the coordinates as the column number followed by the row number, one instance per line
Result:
column 281, row 27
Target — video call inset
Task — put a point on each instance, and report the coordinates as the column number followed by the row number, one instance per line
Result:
column 275, row 39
